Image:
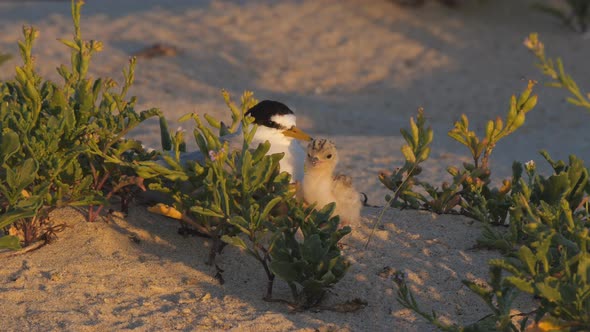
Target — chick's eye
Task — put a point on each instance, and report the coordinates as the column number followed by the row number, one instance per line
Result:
column 329, row 156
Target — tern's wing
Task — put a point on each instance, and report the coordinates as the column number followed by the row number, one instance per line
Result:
column 184, row 157
column 192, row 156
column 235, row 139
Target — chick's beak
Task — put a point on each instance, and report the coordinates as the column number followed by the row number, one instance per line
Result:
column 297, row 134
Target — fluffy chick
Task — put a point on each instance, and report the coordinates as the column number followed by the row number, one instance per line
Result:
column 322, row 187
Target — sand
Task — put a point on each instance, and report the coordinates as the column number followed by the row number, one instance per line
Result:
column 353, row 71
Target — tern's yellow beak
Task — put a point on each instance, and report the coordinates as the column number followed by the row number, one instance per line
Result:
column 297, row 134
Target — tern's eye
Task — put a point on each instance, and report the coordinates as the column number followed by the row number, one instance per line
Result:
column 329, row 156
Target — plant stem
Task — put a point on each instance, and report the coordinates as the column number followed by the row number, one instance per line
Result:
column 393, row 198
column 271, row 277
column 270, row 282
column 294, row 291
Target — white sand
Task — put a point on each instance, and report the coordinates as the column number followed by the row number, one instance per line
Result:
column 354, row 71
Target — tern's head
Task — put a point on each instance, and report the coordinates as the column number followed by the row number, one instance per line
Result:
column 275, row 118
column 321, row 155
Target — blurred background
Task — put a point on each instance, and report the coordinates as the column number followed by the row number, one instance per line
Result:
column 352, row 70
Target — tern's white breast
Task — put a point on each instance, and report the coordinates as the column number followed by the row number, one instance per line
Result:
column 294, row 157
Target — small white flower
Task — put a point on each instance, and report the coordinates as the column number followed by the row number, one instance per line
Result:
column 212, row 155
column 530, row 166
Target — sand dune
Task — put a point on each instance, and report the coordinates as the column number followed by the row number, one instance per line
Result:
column 353, row 71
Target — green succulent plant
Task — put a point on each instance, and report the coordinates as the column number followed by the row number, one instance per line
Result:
column 104, row 123
column 239, row 197
column 556, row 71
column 70, row 139
column 15, row 206
column 212, row 195
column 416, row 150
column 314, row 263
column 497, row 294
column 546, row 244
column 41, row 148
column 469, row 189
column 554, row 262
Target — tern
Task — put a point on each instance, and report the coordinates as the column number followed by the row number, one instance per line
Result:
column 277, row 124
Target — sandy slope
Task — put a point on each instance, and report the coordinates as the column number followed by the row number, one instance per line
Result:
column 139, row 273
column 354, row 71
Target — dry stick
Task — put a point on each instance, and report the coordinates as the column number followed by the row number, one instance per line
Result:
column 394, row 197
column 27, row 249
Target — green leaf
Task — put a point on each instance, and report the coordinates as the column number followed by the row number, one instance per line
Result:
column 526, row 256
column 235, row 241
column 69, row 43
column 547, row 291
column 506, row 265
column 285, row 270
column 454, row 134
column 10, row 242
column 423, row 154
column 206, row 212
column 22, row 175
column 186, row 117
column 584, row 267
column 407, row 137
column 415, row 132
column 240, row 223
column 165, row 134
column 524, row 285
column 408, row 154
column 9, row 144
column 12, row 216
column 269, row 206
column 212, row 121
column 260, row 151
column 555, row 187
column 312, row 250
column 483, row 292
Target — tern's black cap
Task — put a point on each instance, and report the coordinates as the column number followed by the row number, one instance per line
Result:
column 265, row 110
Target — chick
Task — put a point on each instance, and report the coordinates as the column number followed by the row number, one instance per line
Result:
column 320, row 186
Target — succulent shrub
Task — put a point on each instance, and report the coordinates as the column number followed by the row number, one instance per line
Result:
column 469, row 191
column 549, row 223
column 555, row 70
column 304, row 252
column 41, row 147
column 402, row 180
column 554, row 263
column 209, row 191
column 546, row 253
column 16, row 203
column 497, row 294
column 106, row 117
column 237, row 195
column 478, row 199
column 70, row 139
